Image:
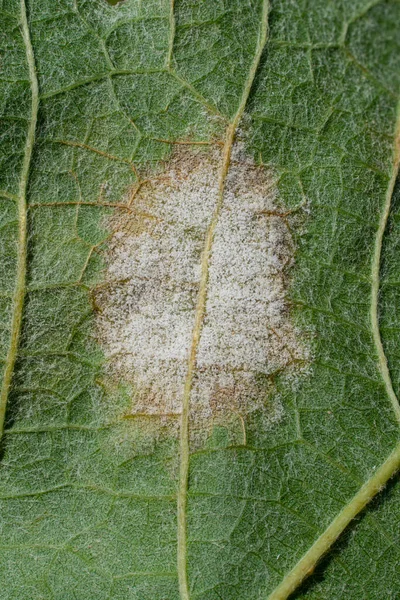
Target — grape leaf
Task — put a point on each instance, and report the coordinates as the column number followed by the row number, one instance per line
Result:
column 245, row 154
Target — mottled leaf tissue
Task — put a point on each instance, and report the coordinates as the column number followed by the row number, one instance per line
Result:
column 199, row 275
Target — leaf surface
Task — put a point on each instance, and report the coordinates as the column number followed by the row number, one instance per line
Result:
column 100, row 502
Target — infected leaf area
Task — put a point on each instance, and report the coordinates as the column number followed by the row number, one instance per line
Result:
column 155, row 264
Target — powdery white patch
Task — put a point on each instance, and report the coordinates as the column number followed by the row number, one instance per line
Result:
column 153, row 271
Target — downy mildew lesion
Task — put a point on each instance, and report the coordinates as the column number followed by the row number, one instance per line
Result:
column 146, row 310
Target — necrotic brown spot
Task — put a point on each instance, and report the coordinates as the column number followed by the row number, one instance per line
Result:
column 153, row 268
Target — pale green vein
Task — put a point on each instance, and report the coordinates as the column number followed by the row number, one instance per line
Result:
column 200, row 311
column 375, row 276
column 20, row 283
column 201, row 99
column 8, row 195
column 307, row 563
column 172, row 27
column 115, row 73
column 90, row 488
column 374, row 485
column 144, row 574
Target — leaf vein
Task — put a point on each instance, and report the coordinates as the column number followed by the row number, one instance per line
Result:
column 20, row 284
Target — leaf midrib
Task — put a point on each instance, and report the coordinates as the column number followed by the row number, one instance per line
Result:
column 201, row 305
column 20, row 281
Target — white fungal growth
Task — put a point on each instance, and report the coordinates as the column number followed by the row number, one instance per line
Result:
column 147, row 310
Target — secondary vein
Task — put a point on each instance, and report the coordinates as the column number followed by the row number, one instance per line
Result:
column 305, row 566
column 367, row 492
column 375, row 275
column 20, row 283
column 172, row 27
column 200, row 310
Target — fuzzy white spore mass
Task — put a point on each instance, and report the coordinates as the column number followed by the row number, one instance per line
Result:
column 153, row 272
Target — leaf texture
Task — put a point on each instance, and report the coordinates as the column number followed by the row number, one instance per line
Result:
column 99, row 503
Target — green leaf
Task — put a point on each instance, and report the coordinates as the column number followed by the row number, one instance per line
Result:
column 200, row 213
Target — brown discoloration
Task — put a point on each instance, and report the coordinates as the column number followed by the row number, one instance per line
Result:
column 146, row 313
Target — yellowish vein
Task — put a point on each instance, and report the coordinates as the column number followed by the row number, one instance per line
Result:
column 375, row 276
column 20, row 282
column 172, row 28
column 307, row 563
column 200, row 311
column 305, row 566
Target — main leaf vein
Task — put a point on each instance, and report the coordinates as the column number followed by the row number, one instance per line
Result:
column 20, row 283
column 200, row 309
